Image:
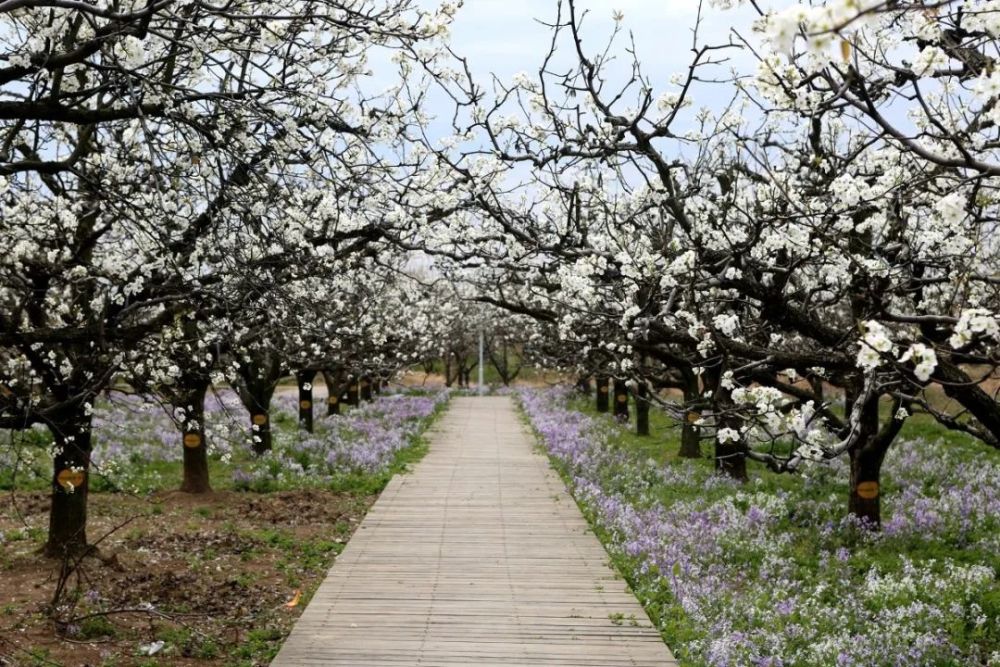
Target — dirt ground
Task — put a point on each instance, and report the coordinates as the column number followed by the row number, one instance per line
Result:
column 536, row 381
column 180, row 580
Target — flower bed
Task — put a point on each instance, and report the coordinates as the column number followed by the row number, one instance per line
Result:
column 137, row 444
column 773, row 572
column 364, row 441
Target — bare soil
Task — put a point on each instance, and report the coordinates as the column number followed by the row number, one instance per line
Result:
column 219, row 579
column 537, row 380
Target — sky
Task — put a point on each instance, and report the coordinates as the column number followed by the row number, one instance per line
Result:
column 505, row 37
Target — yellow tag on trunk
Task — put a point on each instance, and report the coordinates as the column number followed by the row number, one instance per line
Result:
column 868, row 490
column 192, row 440
column 71, row 479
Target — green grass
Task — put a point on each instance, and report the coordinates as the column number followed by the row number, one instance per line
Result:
column 661, row 445
column 366, row 484
column 259, row 647
column 97, row 627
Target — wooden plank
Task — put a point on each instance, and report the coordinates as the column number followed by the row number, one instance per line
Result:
column 478, row 557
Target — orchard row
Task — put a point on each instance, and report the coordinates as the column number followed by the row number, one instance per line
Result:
column 790, row 246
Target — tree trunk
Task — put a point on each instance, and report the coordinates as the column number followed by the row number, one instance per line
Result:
column 257, row 401
column 501, row 364
column 642, row 408
column 864, row 501
column 259, row 376
column 351, row 398
column 621, row 401
column 816, row 384
column 505, row 374
column 191, row 400
column 583, row 385
column 690, row 433
column 260, row 430
column 366, row 388
column 70, row 485
column 334, row 391
column 304, row 380
column 730, row 456
column 602, row 393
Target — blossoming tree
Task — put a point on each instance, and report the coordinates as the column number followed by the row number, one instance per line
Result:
column 829, row 227
column 138, row 142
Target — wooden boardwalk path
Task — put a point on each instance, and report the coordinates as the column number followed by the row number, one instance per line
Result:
column 479, row 557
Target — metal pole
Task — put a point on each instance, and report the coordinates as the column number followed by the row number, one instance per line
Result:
column 480, row 361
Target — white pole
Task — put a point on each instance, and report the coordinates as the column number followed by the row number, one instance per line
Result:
column 480, row 361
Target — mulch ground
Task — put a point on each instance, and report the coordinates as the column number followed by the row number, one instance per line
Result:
column 179, row 580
